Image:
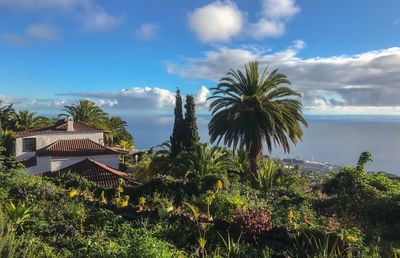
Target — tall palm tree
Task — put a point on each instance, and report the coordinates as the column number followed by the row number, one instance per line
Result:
column 249, row 108
column 85, row 111
column 25, row 120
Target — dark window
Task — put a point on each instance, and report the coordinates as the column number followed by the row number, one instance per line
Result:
column 29, row 144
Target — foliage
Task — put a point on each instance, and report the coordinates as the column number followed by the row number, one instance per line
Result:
column 266, row 176
column 7, row 117
column 85, row 111
column 249, row 108
column 177, row 136
column 254, row 222
column 17, row 214
column 204, row 160
column 362, row 161
column 191, row 134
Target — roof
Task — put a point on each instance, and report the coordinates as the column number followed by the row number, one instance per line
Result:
column 75, row 147
column 59, row 127
column 96, row 172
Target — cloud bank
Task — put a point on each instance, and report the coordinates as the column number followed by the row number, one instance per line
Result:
column 345, row 84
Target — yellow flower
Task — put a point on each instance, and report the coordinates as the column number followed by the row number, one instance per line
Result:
column 125, row 202
column 290, row 216
column 351, row 239
column 219, row 185
column 103, row 199
column 72, row 193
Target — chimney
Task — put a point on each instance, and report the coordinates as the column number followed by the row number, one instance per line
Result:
column 70, row 124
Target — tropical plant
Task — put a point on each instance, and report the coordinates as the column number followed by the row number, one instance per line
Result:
column 204, row 160
column 232, row 247
column 251, row 108
column 365, row 157
column 25, row 120
column 266, row 176
column 7, row 117
column 85, row 111
column 241, row 160
column 115, row 130
column 17, row 214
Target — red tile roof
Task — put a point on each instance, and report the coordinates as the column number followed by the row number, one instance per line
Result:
column 75, row 147
column 59, row 127
column 96, row 172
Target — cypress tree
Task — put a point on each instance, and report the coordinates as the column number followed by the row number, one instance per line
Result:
column 191, row 131
column 178, row 131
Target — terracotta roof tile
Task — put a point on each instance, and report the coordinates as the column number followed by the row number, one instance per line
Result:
column 59, row 127
column 96, row 172
column 75, row 147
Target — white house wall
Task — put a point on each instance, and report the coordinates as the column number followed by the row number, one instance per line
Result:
column 109, row 160
column 47, row 139
column 45, row 164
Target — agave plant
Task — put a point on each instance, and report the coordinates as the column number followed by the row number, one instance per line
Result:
column 204, row 160
column 17, row 214
column 267, row 175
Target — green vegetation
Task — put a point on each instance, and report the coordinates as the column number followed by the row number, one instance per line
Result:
column 201, row 201
column 250, row 108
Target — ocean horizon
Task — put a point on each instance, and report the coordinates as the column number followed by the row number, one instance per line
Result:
column 335, row 139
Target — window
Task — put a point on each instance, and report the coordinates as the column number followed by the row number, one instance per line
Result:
column 29, row 144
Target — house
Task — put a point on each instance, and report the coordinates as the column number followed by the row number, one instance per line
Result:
column 68, row 145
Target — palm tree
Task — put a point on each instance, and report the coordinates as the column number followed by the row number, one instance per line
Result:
column 251, row 108
column 25, row 120
column 7, row 117
column 85, row 111
column 203, row 160
column 114, row 127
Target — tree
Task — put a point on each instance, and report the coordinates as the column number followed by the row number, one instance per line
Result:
column 25, row 120
column 249, row 109
column 7, row 117
column 85, row 111
column 191, row 134
column 365, row 157
column 178, row 131
column 115, row 129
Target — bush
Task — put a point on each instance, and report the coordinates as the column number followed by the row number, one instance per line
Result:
column 254, row 222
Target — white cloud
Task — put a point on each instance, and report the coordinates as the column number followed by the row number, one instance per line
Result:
column 221, row 21
column 216, row 22
column 42, row 31
column 87, row 12
column 147, row 31
column 274, row 16
column 369, row 79
column 202, row 95
column 13, row 39
column 96, row 19
column 279, row 9
column 267, row 28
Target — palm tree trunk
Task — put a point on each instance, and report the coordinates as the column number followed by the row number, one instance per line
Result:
column 255, row 155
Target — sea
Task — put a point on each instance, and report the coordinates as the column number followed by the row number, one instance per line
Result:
column 337, row 140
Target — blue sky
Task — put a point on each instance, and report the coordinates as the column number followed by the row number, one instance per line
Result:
column 131, row 55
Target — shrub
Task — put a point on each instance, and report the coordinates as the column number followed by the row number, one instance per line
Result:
column 253, row 222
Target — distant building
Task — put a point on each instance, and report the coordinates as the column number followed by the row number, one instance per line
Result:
column 59, row 147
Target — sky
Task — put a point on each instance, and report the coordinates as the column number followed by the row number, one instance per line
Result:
column 130, row 56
